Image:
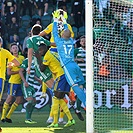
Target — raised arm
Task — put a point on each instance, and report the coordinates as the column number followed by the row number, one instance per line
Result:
column 30, row 53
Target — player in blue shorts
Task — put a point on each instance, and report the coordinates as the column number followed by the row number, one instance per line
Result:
column 61, row 86
column 14, row 86
column 4, row 55
column 65, row 48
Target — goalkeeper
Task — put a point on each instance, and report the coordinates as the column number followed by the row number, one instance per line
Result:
column 65, row 48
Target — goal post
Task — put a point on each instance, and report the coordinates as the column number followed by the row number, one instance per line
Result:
column 89, row 67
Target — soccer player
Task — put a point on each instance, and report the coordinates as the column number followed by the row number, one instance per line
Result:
column 61, row 87
column 28, row 88
column 65, row 48
column 32, row 43
column 4, row 55
column 80, row 58
column 49, row 28
column 53, row 50
column 14, row 86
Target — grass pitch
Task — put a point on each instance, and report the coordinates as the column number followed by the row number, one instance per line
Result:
column 19, row 126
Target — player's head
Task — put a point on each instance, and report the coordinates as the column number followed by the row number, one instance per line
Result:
column 14, row 48
column 66, row 34
column 42, row 49
column 36, row 29
column 1, row 42
column 82, row 41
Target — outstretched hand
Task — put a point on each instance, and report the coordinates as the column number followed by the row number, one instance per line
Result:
column 56, row 14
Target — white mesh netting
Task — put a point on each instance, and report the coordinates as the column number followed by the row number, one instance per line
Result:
column 113, row 70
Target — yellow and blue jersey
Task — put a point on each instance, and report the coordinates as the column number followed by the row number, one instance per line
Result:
column 53, row 64
column 4, row 55
column 15, row 78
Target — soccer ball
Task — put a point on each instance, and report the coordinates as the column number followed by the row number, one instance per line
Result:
column 60, row 26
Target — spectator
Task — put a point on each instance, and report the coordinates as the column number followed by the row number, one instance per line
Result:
column 26, row 5
column 2, row 32
column 9, row 15
column 77, row 9
column 12, row 29
column 117, row 71
column 81, row 61
column 36, row 21
column 16, row 40
column 103, row 8
column 62, row 4
column 104, row 70
column 6, row 6
column 42, row 7
column 25, row 41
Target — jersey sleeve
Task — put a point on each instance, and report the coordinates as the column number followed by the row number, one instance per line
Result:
column 55, row 33
column 29, row 43
column 47, row 42
column 47, row 58
column 76, row 50
column 48, row 29
column 9, row 56
column 24, row 65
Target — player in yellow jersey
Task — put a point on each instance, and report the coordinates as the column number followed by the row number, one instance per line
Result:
column 14, row 86
column 47, row 31
column 61, row 86
column 4, row 55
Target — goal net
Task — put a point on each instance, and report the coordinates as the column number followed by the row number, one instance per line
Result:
column 113, row 69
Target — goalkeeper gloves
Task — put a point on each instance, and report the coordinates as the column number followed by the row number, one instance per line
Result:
column 56, row 15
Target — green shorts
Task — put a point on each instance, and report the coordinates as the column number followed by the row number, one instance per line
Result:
column 45, row 75
column 28, row 91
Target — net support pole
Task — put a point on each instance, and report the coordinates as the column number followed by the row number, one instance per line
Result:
column 89, row 67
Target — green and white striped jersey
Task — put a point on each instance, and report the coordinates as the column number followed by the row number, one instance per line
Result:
column 29, row 77
column 81, row 53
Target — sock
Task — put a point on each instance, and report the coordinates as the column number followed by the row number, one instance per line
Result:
column 65, row 109
column 60, row 119
column 32, row 108
column 55, row 109
column 4, row 110
column 78, row 104
column 51, row 113
column 13, row 107
column 29, row 110
column 62, row 114
column 80, row 94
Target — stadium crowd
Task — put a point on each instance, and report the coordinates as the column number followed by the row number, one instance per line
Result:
column 17, row 17
column 113, row 39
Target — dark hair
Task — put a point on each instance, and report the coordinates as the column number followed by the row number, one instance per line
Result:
column 42, row 44
column 36, row 29
column 12, row 44
column 82, row 37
